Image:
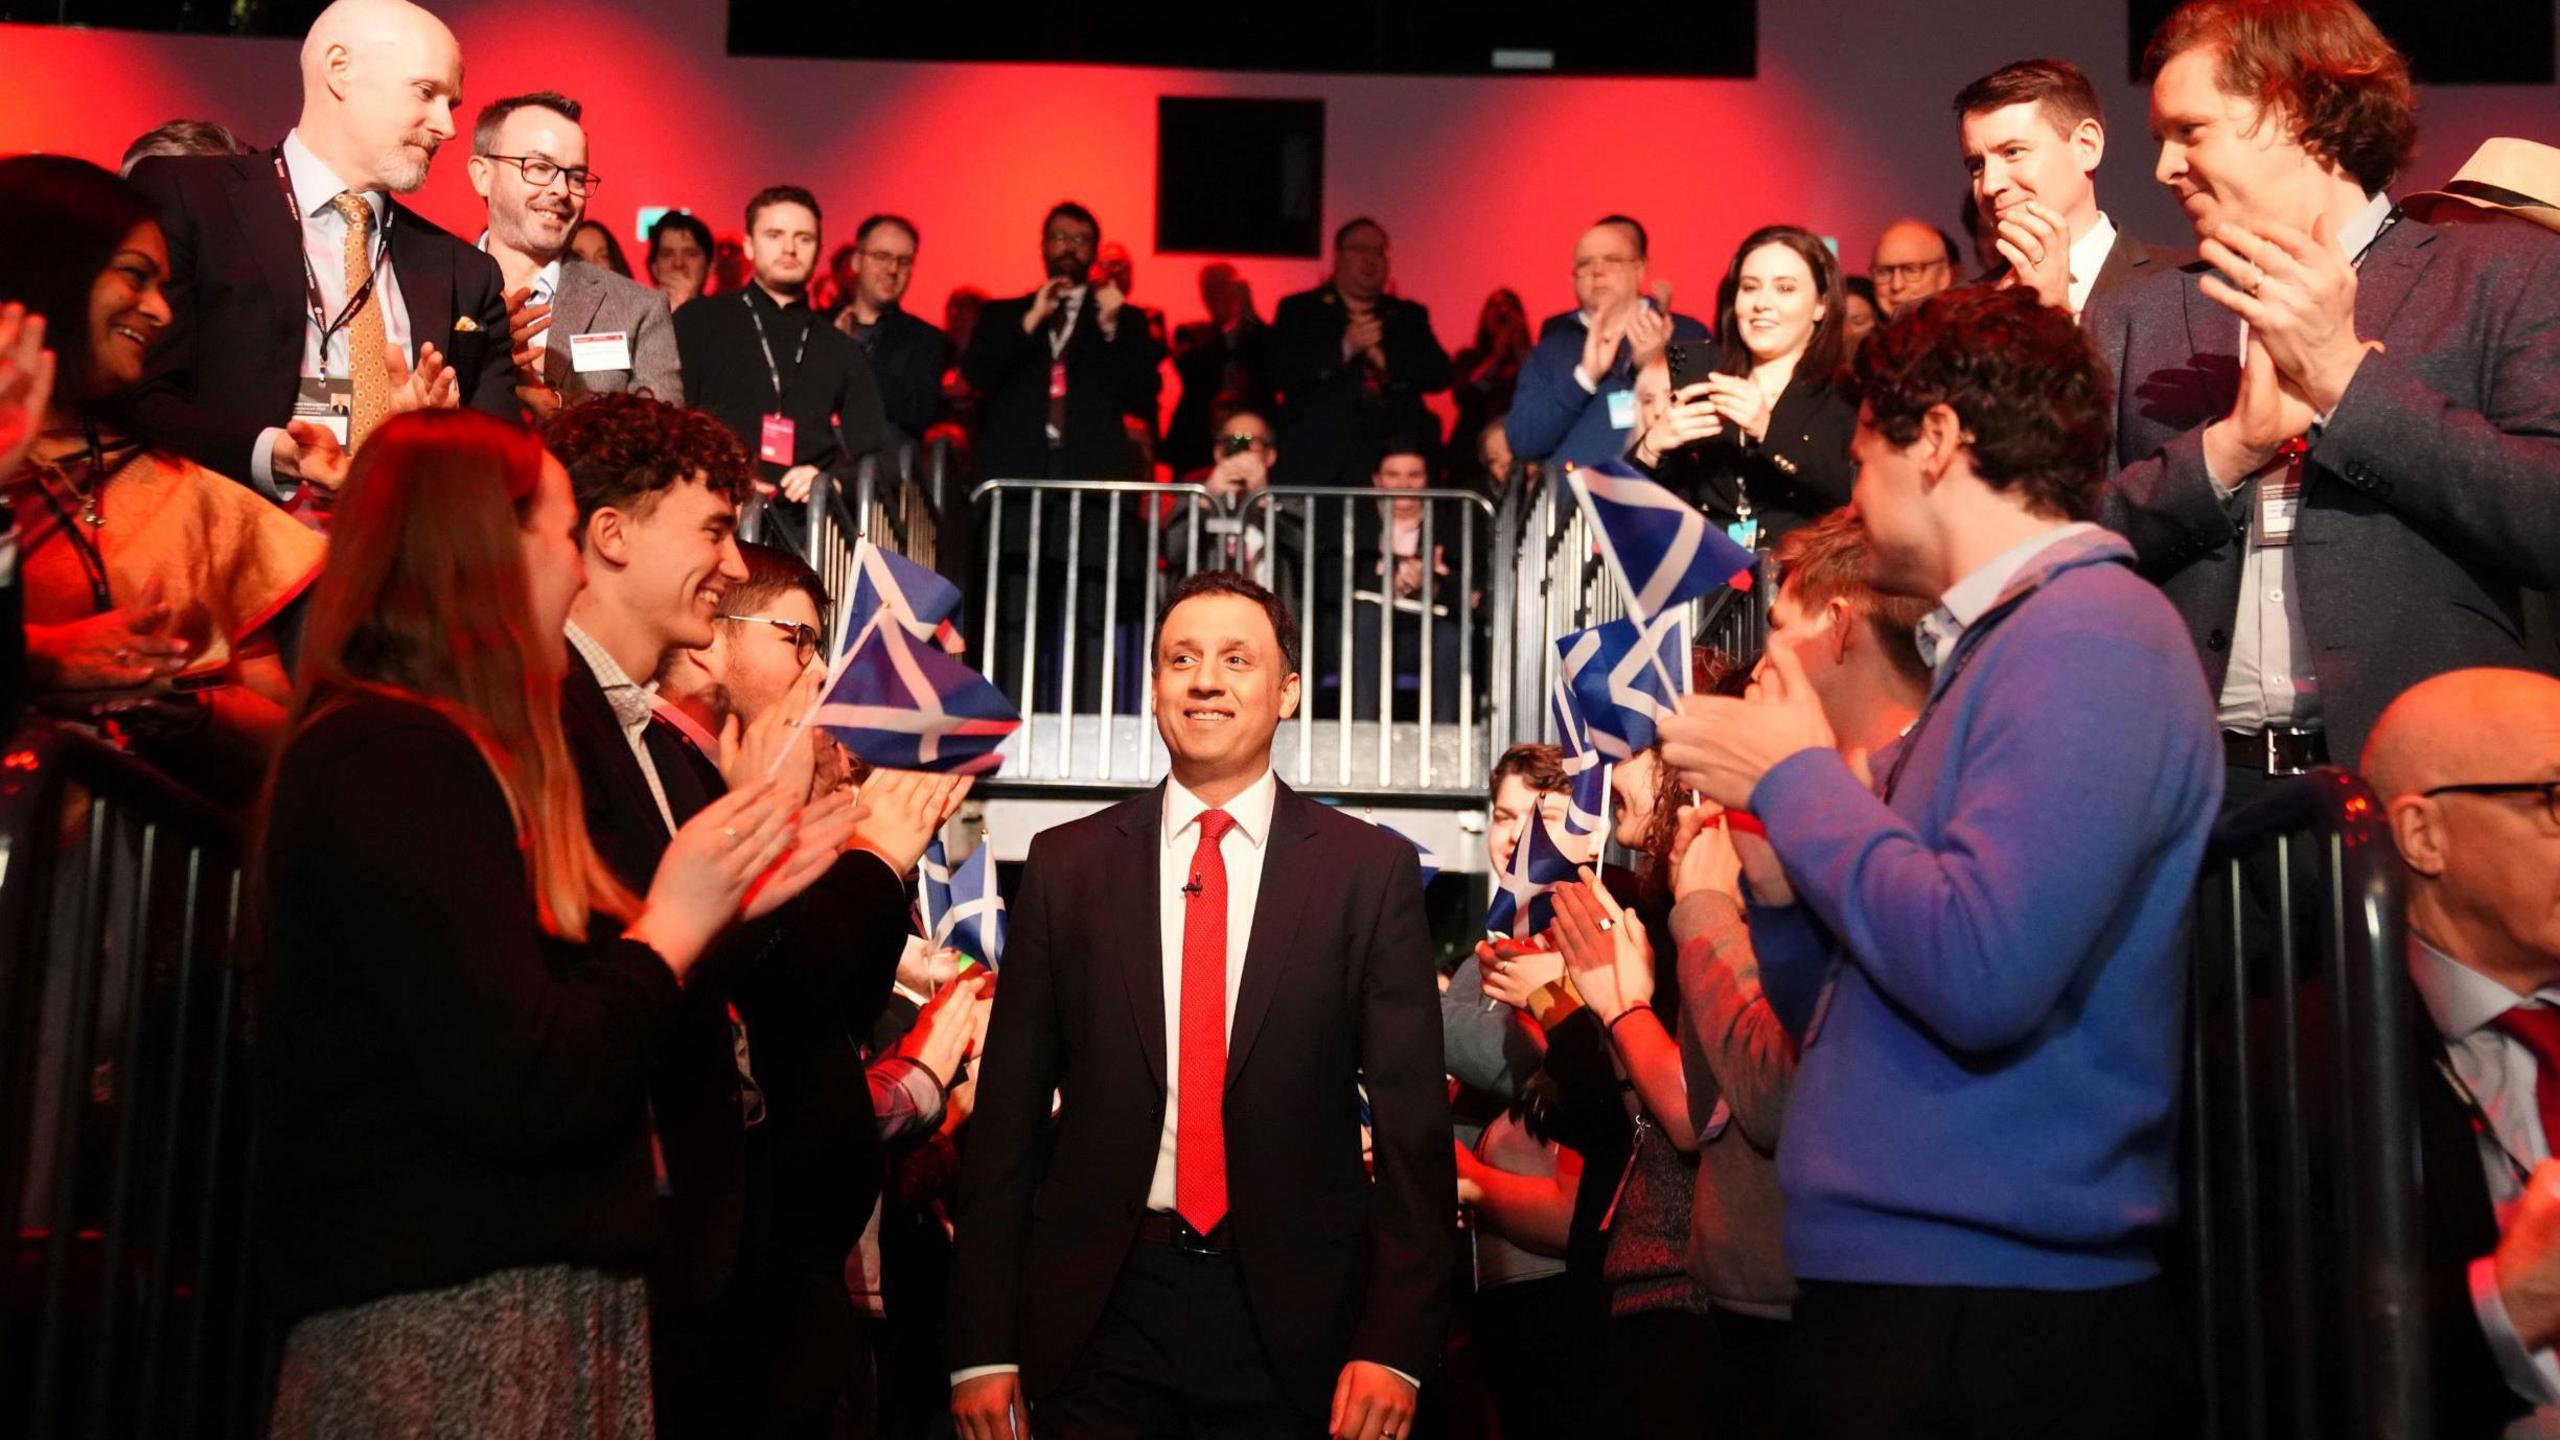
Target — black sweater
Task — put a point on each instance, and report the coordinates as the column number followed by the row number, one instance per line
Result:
column 446, row 1091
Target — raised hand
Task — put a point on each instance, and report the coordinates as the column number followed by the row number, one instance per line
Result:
column 906, row 808
column 1742, row 403
column 1605, row 951
column 1513, row 971
column 1721, row 747
column 26, row 384
column 1648, row 334
column 706, row 871
column 820, row 830
column 123, row 653
column 777, row 744
column 310, row 453
column 2037, row 244
column 2298, row 293
column 431, row 386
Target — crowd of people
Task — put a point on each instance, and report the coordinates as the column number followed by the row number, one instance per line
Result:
column 609, row 1086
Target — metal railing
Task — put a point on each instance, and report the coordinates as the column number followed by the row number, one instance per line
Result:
column 2300, row 1246
column 894, row 501
column 125, row 1114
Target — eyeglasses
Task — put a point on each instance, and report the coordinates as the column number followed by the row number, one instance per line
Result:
column 1593, row 264
column 804, row 638
column 2549, row 790
column 539, row 173
column 890, row 258
column 1897, row 274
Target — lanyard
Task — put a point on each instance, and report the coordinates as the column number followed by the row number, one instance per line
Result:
column 318, row 308
column 2478, row 1115
column 770, row 368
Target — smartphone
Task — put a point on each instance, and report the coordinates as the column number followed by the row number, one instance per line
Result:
column 196, row 680
column 1691, row 363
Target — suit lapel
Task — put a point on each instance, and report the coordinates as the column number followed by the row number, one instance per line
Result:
column 573, row 312
column 2211, row 330
column 425, row 274
column 275, row 236
column 1135, row 933
column 1279, row 903
column 2124, row 258
column 2390, row 273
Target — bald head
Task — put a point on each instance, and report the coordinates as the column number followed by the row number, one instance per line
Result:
column 1913, row 261
column 2483, row 868
column 380, row 82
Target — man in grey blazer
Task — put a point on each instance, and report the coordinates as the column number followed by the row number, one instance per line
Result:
column 2340, row 431
column 577, row 329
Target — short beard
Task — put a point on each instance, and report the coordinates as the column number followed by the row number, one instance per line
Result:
column 400, row 173
column 1067, row 268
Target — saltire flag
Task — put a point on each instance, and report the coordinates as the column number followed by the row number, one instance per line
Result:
column 1622, row 676
column 904, row 704
column 1522, row 906
column 933, row 885
column 1573, row 737
column 1663, row 549
column 890, row 588
column 1430, row 862
column 1586, row 810
column 972, row 921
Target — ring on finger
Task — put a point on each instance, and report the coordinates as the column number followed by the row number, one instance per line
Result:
column 1607, row 924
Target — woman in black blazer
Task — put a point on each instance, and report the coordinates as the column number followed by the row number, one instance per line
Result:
column 1762, row 445
column 460, row 1006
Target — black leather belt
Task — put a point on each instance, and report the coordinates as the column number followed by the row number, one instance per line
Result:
column 2276, row 750
column 1164, row 1227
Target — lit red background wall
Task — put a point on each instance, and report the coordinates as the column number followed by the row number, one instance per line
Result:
column 1482, row 182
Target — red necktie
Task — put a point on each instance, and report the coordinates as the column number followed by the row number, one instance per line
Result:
column 2537, row 1028
column 1199, row 1125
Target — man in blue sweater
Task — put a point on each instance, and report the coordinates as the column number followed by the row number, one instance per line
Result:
column 1576, row 400
column 1983, row 953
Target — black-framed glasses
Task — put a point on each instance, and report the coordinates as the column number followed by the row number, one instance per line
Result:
column 539, row 173
column 804, row 638
column 1915, row 270
column 2549, row 790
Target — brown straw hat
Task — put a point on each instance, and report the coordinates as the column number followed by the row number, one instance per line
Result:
column 2517, row 176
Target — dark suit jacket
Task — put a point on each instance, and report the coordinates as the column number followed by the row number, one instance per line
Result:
column 2128, row 259
column 751, row 1214
column 1331, row 425
column 1219, row 371
column 229, row 363
column 1798, row 472
column 2431, row 500
column 831, row 398
column 1108, row 382
column 1338, row 989
column 908, row 356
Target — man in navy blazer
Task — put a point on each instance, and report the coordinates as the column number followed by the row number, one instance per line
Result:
column 1576, row 400
column 1165, row 1225
column 2340, row 444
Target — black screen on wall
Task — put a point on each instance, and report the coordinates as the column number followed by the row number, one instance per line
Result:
column 1239, row 177
column 2448, row 42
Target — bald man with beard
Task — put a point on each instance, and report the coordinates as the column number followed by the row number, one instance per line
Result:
column 2467, row 766
column 308, row 304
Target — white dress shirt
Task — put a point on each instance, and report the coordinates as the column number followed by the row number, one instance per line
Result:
column 2088, row 257
column 1243, row 848
column 2272, row 680
column 1970, row 598
column 544, row 285
column 633, row 703
column 316, row 189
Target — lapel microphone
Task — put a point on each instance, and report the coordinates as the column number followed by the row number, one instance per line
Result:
column 1192, row 890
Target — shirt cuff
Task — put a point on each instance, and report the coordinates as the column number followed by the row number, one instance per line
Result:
column 1589, row 385
column 963, row 1377
column 1409, row 1380
column 262, row 459
column 2516, row 1363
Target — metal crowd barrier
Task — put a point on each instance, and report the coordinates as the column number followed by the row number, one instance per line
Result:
column 2300, row 1251
column 893, row 501
column 125, row 1114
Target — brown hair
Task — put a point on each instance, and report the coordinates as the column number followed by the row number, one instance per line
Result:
column 1827, row 561
column 1540, row 767
column 624, row 449
column 2321, row 64
column 1825, row 349
column 426, row 597
column 772, row 571
column 2060, row 90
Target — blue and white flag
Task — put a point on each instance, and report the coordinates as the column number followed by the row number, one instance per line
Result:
column 904, row 704
column 933, row 886
column 1430, row 862
column 1586, row 811
column 1663, row 549
column 1573, row 737
column 890, row 588
column 973, row 920
column 1623, row 676
column 1522, row 906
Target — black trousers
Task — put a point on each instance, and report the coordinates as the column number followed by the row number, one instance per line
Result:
column 1524, row 1334
column 1176, row 1356
column 1873, row 1362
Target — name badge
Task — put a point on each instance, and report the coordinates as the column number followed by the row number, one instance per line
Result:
column 604, row 350
column 326, row 402
column 1745, row 533
column 774, row 447
column 2279, row 505
column 1057, row 379
column 1622, row 409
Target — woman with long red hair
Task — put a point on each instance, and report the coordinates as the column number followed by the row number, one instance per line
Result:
column 462, row 1004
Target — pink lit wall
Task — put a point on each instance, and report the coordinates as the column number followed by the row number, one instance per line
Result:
column 1482, row 182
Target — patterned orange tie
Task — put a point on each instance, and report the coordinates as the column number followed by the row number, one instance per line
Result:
column 366, row 337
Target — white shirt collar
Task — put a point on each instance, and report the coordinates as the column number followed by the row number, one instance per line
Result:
column 1251, row 809
column 631, row 700
column 2366, row 227
column 2088, row 257
column 315, row 185
column 1968, row 598
column 546, row 281
column 2459, row 999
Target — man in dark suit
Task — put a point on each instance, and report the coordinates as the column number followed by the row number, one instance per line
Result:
column 1352, row 363
column 761, row 1109
column 908, row 353
column 1208, row 978
column 1062, row 375
column 279, row 356
column 796, row 391
column 2340, row 444
column 2465, row 766
column 1223, row 366
column 2033, row 134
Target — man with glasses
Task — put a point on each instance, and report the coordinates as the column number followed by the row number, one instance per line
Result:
column 1576, row 400
column 576, row 329
column 908, row 354
column 1352, row 363
column 2467, row 767
column 795, row 390
column 767, row 635
column 1913, row 261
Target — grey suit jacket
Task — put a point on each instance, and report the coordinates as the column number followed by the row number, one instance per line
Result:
column 593, row 300
column 2130, row 259
column 2431, row 499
